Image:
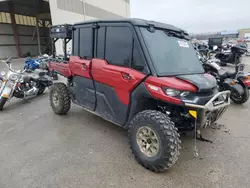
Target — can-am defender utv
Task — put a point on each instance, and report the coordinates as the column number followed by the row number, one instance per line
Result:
column 144, row 76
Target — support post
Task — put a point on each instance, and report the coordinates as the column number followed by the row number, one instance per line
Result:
column 14, row 28
column 38, row 35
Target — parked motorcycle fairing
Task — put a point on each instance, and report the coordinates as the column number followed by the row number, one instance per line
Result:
column 22, row 84
column 233, row 57
column 32, row 63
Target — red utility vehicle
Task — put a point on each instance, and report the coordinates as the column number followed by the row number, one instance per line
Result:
column 141, row 75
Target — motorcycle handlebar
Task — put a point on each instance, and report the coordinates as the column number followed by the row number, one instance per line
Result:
column 8, row 63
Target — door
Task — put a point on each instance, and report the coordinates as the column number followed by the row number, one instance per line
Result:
column 80, row 66
column 112, row 73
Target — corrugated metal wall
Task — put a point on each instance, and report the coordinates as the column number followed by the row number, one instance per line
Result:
column 26, row 34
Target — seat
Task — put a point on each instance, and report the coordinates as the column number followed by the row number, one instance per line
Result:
column 222, row 73
column 226, row 74
column 231, row 74
column 40, row 72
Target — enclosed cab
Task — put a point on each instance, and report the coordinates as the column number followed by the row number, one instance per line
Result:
column 141, row 75
column 215, row 41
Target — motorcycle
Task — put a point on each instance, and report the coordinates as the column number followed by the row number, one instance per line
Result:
column 233, row 56
column 238, row 82
column 22, row 84
column 32, row 64
column 40, row 63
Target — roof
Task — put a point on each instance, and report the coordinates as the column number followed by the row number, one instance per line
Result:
column 137, row 22
column 25, row 7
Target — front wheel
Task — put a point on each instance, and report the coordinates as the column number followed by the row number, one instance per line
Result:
column 2, row 102
column 154, row 140
column 59, row 98
column 240, row 99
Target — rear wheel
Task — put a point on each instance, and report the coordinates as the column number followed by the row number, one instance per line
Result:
column 2, row 102
column 59, row 98
column 41, row 90
column 240, row 99
column 154, row 140
column 55, row 76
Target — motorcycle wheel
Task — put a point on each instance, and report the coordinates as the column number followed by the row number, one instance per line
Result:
column 41, row 90
column 2, row 103
column 55, row 76
column 240, row 99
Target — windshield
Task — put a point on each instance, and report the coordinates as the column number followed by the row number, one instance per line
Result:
column 171, row 55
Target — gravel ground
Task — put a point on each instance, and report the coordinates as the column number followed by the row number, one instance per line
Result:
column 41, row 149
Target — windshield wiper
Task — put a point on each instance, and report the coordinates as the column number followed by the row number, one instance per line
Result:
column 180, row 35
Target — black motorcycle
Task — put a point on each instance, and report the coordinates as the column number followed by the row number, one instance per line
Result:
column 233, row 57
column 22, row 84
column 236, row 81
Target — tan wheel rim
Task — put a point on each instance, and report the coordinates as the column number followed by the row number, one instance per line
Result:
column 147, row 141
column 55, row 99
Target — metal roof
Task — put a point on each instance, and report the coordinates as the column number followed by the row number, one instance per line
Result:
column 26, row 7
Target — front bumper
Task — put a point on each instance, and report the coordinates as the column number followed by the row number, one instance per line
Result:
column 216, row 105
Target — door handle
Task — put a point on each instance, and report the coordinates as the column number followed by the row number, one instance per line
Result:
column 84, row 66
column 126, row 76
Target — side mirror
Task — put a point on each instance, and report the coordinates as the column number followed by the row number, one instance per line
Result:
column 3, row 73
column 215, row 47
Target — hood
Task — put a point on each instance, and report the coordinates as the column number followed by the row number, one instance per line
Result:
column 204, row 82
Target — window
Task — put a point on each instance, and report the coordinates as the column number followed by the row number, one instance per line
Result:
column 27, row 20
column 76, row 42
column 101, row 43
column 5, row 17
column 138, row 62
column 86, row 43
column 119, row 43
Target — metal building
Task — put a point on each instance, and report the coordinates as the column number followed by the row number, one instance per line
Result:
column 229, row 34
column 24, row 24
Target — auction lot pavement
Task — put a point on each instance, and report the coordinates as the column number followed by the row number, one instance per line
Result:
column 41, row 149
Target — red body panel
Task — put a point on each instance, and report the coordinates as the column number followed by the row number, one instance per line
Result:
column 246, row 82
column 155, row 84
column 80, row 67
column 171, row 82
column 122, row 79
column 61, row 68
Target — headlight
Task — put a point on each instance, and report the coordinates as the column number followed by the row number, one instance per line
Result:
column 173, row 92
column 3, row 73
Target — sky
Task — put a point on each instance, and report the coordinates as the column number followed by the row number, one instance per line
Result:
column 195, row 16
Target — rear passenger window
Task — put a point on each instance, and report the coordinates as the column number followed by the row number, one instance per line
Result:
column 76, row 42
column 101, row 43
column 86, row 43
column 119, row 44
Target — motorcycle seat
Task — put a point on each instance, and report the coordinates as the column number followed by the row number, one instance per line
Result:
column 231, row 74
column 40, row 72
column 226, row 74
column 222, row 73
